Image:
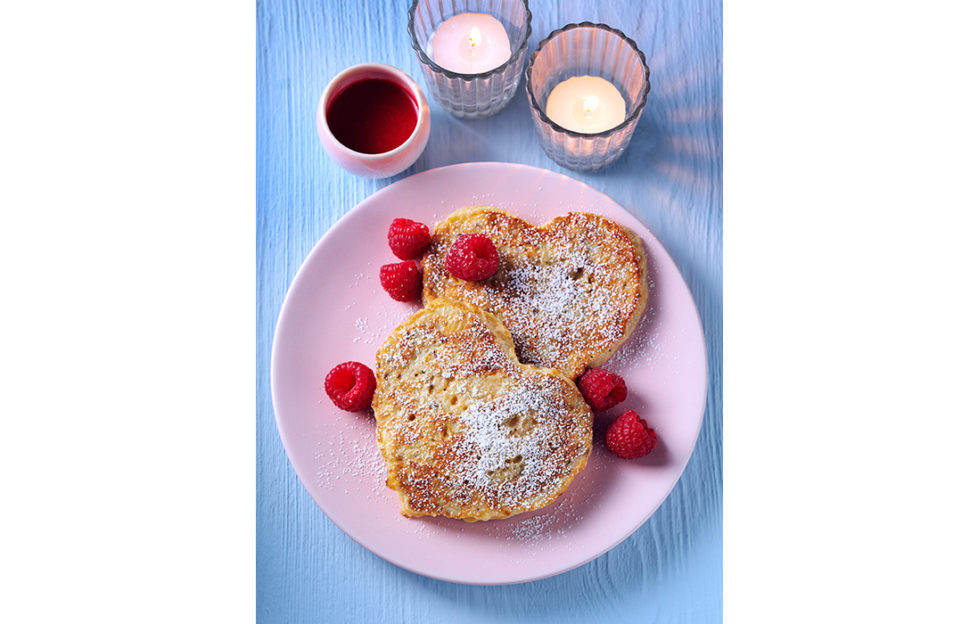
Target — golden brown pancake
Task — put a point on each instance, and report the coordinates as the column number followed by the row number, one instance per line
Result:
column 466, row 430
column 570, row 291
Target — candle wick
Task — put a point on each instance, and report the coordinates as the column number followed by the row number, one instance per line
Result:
column 475, row 37
column 590, row 103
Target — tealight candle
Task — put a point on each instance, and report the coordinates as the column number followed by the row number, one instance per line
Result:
column 470, row 43
column 587, row 85
column 471, row 53
column 586, row 104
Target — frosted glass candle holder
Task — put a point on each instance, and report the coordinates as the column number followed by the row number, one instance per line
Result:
column 471, row 96
column 586, row 49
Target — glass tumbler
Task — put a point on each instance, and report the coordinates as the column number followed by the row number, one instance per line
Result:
column 471, row 96
column 586, row 49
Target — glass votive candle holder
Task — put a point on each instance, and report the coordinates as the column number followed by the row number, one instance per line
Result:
column 487, row 90
column 587, row 49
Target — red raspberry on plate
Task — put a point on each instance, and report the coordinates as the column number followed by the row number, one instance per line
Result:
column 408, row 239
column 351, row 386
column 630, row 436
column 472, row 257
column 401, row 280
column 602, row 389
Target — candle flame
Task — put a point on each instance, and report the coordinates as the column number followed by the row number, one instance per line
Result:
column 590, row 103
column 475, row 37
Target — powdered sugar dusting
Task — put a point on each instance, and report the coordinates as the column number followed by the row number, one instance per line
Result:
column 347, row 456
column 489, row 443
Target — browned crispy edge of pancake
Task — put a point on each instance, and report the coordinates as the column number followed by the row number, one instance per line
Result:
column 636, row 316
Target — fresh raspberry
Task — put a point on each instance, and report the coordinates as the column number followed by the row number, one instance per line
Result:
column 472, row 257
column 408, row 239
column 351, row 386
column 630, row 436
column 401, row 280
column 602, row 389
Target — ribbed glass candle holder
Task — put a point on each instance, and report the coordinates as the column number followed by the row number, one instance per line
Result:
column 471, row 96
column 586, row 49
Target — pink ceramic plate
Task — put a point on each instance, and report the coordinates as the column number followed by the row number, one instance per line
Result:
column 336, row 311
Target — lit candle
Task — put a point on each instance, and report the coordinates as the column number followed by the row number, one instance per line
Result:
column 586, row 104
column 470, row 43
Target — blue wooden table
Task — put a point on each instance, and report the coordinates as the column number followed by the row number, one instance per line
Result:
column 670, row 178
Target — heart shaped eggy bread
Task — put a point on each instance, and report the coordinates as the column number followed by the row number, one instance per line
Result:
column 466, row 430
column 570, row 291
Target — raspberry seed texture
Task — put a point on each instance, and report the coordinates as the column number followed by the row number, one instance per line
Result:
column 351, row 386
column 472, row 257
column 630, row 437
column 401, row 280
column 408, row 239
column 602, row 389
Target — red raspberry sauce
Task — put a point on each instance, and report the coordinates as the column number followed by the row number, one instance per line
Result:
column 372, row 116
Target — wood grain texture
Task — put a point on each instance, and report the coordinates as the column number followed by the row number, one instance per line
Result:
column 670, row 178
